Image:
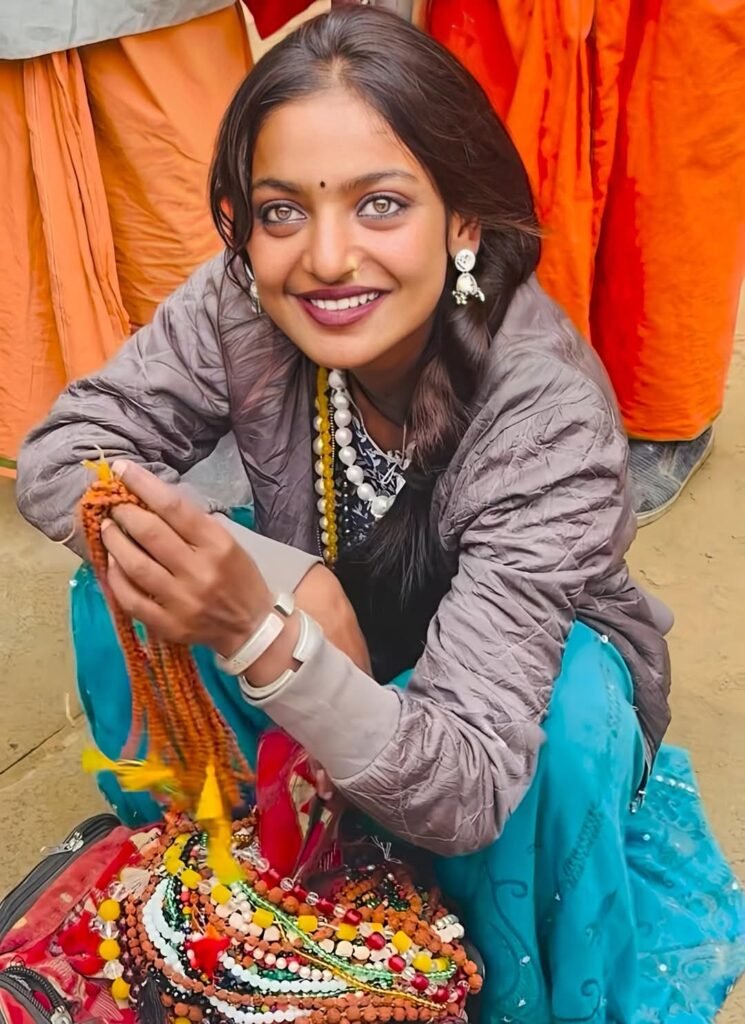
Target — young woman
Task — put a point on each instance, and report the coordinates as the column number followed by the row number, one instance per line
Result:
column 412, row 410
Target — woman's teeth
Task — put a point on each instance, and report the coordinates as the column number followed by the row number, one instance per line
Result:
column 351, row 302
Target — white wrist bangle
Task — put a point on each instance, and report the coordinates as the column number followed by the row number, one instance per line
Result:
column 260, row 641
column 308, row 644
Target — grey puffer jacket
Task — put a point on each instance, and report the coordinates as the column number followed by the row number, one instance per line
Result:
column 535, row 503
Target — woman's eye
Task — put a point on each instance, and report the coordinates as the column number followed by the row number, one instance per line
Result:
column 280, row 214
column 381, row 206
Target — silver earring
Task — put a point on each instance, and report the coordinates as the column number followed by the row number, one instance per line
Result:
column 466, row 287
column 253, row 291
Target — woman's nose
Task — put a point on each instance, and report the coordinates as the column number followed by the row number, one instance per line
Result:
column 330, row 257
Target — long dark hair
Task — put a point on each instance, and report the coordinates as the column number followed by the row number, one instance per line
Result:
column 441, row 114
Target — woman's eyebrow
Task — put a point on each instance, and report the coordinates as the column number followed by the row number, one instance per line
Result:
column 347, row 186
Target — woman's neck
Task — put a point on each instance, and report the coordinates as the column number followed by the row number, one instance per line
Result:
column 384, row 406
column 383, row 393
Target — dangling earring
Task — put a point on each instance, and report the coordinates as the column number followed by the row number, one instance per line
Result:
column 253, row 290
column 466, row 287
column 255, row 300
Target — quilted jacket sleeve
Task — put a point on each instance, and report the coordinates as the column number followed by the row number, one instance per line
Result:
column 543, row 513
column 161, row 401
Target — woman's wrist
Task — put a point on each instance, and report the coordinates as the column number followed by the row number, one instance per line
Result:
column 254, row 633
column 277, row 658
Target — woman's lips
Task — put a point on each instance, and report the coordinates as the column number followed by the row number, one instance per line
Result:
column 338, row 309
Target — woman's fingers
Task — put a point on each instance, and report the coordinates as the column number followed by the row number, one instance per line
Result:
column 324, row 785
column 145, row 574
column 165, row 500
column 180, row 559
column 154, row 536
column 137, row 605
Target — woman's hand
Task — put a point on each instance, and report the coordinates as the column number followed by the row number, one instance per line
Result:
column 176, row 570
column 321, row 595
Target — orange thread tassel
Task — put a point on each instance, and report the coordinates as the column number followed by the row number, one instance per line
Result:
column 193, row 760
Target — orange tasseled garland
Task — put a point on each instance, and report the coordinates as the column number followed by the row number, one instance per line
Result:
column 193, row 760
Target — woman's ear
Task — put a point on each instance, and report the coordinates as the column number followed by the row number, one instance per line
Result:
column 463, row 234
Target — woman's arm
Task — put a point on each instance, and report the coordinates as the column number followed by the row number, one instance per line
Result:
column 446, row 762
column 161, row 401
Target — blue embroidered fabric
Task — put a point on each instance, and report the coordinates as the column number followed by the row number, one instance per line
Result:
column 382, row 470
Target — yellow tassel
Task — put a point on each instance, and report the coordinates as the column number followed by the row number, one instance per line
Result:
column 146, row 775
column 133, row 775
column 101, row 468
column 210, row 807
column 94, row 761
column 219, row 853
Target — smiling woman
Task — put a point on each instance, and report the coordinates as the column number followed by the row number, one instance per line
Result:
column 439, row 475
column 359, row 273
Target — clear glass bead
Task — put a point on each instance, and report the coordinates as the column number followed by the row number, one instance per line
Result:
column 112, row 969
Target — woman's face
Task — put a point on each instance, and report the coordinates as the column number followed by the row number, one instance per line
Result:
column 350, row 239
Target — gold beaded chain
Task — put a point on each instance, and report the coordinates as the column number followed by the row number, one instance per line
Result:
column 325, row 428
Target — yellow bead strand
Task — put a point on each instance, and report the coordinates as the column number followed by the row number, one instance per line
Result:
column 331, row 551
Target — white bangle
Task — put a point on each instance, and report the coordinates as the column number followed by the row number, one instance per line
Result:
column 260, row 641
column 309, row 641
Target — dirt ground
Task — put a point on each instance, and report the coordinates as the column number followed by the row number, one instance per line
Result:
column 694, row 559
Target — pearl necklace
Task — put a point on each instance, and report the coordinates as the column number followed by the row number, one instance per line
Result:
column 323, row 446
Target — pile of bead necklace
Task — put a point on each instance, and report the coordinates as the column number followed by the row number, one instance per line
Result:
column 268, row 950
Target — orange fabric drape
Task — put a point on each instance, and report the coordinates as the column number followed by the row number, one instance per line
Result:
column 105, row 153
column 629, row 119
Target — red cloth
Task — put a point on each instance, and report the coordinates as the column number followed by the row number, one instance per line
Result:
column 271, row 15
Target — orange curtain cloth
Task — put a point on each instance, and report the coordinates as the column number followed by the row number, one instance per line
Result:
column 629, row 117
column 105, row 153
